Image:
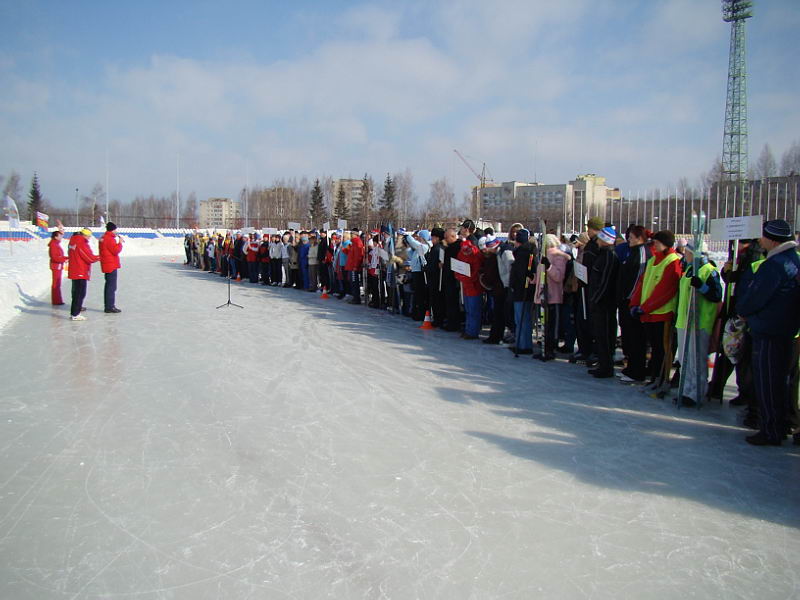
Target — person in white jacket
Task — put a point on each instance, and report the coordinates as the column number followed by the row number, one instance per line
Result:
column 419, row 244
column 276, row 252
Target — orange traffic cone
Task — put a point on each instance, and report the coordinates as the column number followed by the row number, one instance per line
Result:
column 238, row 277
column 324, row 295
column 428, row 322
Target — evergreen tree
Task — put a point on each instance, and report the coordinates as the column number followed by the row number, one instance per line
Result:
column 34, row 198
column 316, row 209
column 340, row 208
column 387, row 207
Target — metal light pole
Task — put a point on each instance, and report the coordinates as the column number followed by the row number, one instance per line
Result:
column 76, row 208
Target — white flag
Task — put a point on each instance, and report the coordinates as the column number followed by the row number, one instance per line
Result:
column 102, row 221
column 12, row 213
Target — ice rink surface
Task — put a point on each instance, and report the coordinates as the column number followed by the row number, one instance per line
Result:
column 300, row 448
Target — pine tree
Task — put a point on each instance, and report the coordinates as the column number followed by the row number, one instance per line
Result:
column 316, row 209
column 340, row 208
column 388, row 212
column 35, row 199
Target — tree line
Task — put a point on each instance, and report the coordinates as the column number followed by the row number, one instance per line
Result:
column 313, row 203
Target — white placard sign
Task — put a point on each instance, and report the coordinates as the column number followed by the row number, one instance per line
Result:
column 580, row 272
column 293, row 225
column 383, row 254
column 326, row 226
column 736, row 228
column 459, row 266
column 248, row 230
column 270, row 230
column 341, row 224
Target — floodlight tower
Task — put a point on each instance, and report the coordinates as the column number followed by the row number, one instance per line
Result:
column 734, row 142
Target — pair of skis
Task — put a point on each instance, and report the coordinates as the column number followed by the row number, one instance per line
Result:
column 692, row 335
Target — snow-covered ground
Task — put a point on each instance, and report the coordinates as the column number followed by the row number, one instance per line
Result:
column 303, row 448
column 25, row 269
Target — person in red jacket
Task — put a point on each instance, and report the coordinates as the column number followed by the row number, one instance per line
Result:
column 81, row 258
column 57, row 260
column 473, row 290
column 110, row 247
column 355, row 259
column 251, row 254
column 654, row 302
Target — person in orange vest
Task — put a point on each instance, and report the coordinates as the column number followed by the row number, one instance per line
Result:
column 81, row 258
column 110, row 247
column 655, row 300
column 57, row 260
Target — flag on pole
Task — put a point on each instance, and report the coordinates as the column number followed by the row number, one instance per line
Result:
column 42, row 220
column 10, row 209
column 102, row 221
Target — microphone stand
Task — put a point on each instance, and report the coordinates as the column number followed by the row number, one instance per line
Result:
column 229, row 303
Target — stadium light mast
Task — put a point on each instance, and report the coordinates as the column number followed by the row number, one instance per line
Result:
column 734, row 142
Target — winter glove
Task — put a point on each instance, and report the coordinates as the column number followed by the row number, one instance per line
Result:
column 697, row 282
column 636, row 312
column 546, row 262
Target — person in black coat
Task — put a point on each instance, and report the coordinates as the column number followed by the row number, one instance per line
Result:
column 522, row 291
column 451, row 285
column 434, row 269
column 602, row 290
column 634, row 341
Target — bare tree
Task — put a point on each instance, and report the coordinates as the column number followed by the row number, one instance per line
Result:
column 790, row 161
column 441, row 206
column 13, row 187
column 404, row 195
column 766, row 165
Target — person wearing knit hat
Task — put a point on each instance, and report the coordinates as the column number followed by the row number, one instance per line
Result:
column 602, row 296
column 654, row 301
column 771, row 306
column 110, row 248
column 706, row 287
column 594, row 225
column 80, row 258
column 666, row 237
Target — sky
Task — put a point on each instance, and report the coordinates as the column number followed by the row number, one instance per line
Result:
column 247, row 92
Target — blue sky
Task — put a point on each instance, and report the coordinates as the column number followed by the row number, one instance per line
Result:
column 631, row 90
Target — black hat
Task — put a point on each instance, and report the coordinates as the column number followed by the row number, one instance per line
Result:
column 666, row 237
column 468, row 224
column 777, row 231
column 437, row 232
column 110, row 226
column 522, row 236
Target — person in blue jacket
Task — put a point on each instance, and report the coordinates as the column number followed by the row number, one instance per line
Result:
column 302, row 257
column 771, row 306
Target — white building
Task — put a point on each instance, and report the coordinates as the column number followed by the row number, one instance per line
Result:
column 569, row 204
column 219, row 213
column 352, row 192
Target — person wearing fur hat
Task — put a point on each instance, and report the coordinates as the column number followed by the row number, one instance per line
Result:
column 771, row 307
column 707, row 286
column 602, row 290
column 554, row 268
column 588, row 252
column 654, row 302
column 110, row 247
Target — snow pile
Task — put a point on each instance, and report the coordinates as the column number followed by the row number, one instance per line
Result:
column 25, row 269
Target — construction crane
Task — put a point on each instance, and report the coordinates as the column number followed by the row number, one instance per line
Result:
column 481, row 178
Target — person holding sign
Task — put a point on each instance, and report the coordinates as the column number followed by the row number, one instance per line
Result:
column 467, row 270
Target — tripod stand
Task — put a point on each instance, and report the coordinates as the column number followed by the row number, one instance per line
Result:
column 229, row 303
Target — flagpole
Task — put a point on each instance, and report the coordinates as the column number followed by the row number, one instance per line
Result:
column 77, row 218
column 178, row 191
column 107, row 218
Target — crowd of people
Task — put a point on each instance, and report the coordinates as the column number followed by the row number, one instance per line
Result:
column 660, row 299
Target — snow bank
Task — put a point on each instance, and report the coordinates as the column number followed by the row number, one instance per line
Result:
column 25, row 269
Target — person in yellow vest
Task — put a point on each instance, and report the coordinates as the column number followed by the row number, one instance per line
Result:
column 654, row 301
column 708, row 290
